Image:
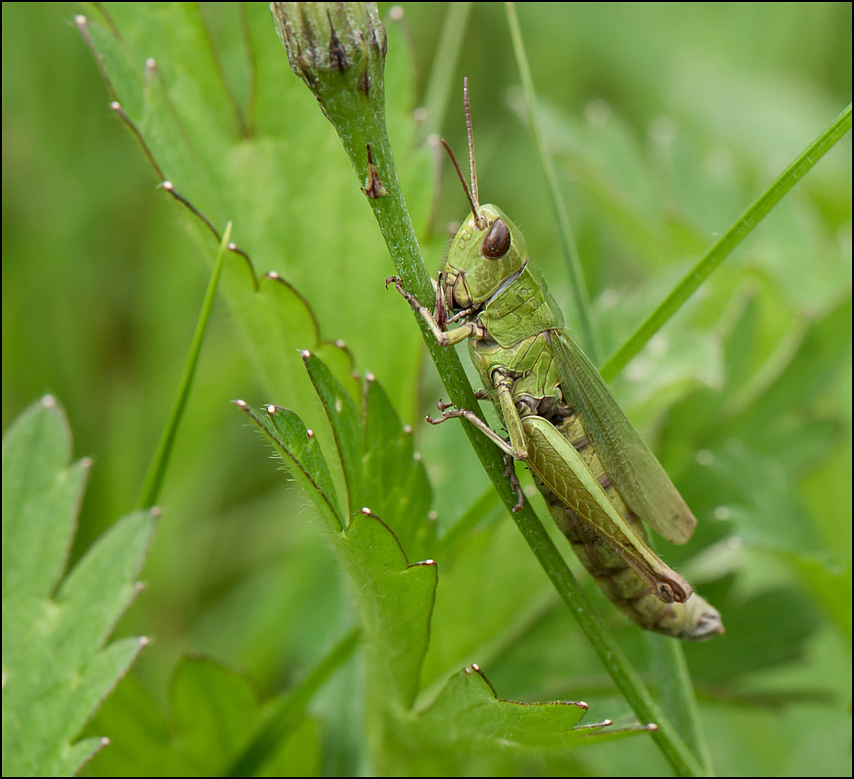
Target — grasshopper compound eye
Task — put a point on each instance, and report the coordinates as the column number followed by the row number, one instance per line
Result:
column 497, row 241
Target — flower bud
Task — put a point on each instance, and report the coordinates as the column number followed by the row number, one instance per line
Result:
column 337, row 49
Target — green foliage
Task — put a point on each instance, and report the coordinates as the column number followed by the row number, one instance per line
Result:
column 213, row 713
column 395, row 599
column 56, row 669
column 664, row 124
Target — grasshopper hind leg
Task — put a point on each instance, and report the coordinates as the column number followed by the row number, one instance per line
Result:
column 510, row 472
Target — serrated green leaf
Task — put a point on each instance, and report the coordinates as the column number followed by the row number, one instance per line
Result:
column 486, row 728
column 272, row 306
column 482, row 718
column 274, row 166
column 396, row 603
column 488, row 592
column 56, row 669
column 301, row 450
column 41, row 496
column 397, row 488
column 346, row 422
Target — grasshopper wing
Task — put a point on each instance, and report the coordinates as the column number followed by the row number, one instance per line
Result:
column 638, row 476
column 562, row 469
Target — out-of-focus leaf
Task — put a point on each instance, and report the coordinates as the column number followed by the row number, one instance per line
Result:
column 271, row 163
column 213, row 712
column 56, row 668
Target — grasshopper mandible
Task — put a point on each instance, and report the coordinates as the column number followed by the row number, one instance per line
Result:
column 600, row 480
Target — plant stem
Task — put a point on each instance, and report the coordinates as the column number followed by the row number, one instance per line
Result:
column 159, row 462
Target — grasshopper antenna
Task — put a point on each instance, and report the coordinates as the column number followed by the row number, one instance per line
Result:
column 470, row 136
column 473, row 200
column 462, row 180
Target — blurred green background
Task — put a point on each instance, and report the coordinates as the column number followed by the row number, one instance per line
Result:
column 666, row 121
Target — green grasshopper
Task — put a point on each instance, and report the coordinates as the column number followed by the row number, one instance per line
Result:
column 600, row 480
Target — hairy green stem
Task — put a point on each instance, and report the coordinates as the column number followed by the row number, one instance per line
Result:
column 357, row 113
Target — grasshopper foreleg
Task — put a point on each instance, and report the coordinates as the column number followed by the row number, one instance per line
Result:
column 445, row 338
column 480, row 394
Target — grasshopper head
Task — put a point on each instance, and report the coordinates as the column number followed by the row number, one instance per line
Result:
column 481, row 257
